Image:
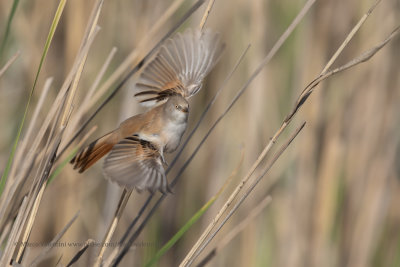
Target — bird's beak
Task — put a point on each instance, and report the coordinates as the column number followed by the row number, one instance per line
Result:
column 185, row 110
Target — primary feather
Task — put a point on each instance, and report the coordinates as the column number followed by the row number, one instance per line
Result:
column 136, row 163
column 180, row 66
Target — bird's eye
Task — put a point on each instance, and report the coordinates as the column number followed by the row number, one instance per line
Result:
column 176, row 106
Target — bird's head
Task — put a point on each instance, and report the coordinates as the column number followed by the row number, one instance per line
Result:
column 177, row 108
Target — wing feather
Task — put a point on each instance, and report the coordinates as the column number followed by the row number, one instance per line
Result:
column 180, row 66
column 136, row 163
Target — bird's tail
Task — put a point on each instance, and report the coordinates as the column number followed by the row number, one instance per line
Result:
column 93, row 152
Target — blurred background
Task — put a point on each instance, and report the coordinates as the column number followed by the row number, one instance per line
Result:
column 335, row 191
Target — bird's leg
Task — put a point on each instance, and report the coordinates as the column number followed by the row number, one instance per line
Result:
column 164, row 161
column 162, row 157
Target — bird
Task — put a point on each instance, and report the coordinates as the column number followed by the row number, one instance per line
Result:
column 136, row 147
column 135, row 150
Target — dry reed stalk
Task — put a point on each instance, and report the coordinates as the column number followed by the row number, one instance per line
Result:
column 236, row 230
column 308, row 90
column 47, row 161
column 110, row 231
column 44, row 253
column 90, row 31
column 9, row 63
column 201, row 246
column 5, row 232
column 206, row 14
column 83, row 109
column 8, row 251
column 369, row 182
column 33, row 122
column 30, row 158
column 39, row 184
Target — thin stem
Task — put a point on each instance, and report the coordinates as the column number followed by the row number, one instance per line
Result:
column 188, row 261
column 117, row 216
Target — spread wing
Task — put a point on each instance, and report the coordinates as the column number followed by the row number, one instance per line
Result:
column 180, row 66
column 136, row 163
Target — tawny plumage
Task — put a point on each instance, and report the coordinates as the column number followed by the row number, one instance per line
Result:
column 93, row 152
column 136, row 148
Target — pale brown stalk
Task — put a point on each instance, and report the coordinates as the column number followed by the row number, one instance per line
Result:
column 9, row 63
column 110, row 231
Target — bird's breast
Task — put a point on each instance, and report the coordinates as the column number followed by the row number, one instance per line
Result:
column 172, row 135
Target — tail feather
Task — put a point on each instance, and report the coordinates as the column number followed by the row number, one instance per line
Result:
column 93, row 152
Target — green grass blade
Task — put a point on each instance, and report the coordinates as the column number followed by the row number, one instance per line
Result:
column 8, row 27
column 53, row 27
column 193, row 219
column 182, row 231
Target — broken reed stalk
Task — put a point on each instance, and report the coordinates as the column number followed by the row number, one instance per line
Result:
column 188, row 261
column 360, row 59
